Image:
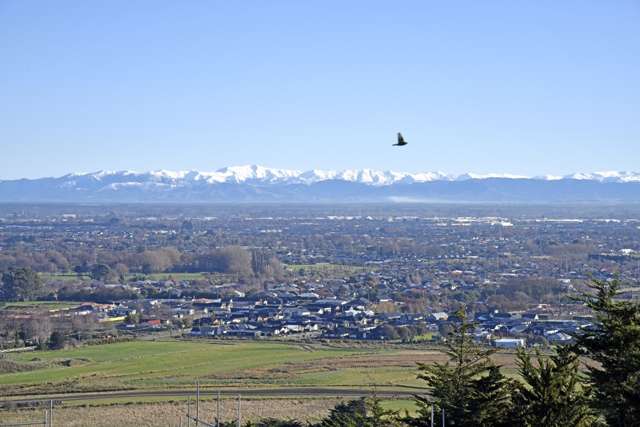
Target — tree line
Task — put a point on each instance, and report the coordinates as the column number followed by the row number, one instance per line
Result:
column 245, row 263
column 23, row 283
column 113, row 263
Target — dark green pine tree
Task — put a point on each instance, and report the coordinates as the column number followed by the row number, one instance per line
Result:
column 552, row 392
column 360, row 413
column 347, row 414
column 613, row 342
column 469, row 388
column 492, row 399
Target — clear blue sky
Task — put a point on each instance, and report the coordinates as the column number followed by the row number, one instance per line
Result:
column 529, row 87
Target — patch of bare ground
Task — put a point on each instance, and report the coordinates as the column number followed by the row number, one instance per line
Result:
column 68, row 386
column 8, row 366
column 368, row 361
column 407, row 359
column 173, row 413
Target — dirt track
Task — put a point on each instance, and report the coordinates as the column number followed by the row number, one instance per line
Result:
column 225, row 392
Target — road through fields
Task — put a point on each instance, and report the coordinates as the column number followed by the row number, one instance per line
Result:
column 302, row 392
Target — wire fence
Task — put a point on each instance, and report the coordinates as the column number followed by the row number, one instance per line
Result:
column 46, row 420
column 193, row 418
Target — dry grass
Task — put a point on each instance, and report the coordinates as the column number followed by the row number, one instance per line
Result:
column 292, row 370
column 170, row 414
column 374, row 362
column 8, row 366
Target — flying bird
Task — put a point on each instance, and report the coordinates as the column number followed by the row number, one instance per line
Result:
column 401, row 141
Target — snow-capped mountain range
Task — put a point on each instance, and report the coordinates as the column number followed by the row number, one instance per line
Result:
column 257, row 183
column 261, row 174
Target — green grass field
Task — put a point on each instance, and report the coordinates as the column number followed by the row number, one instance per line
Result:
column 327, row 269
column 63, row 277
column 72, row 277
column 173, row 363
column 175, row 276
column 49, row 305
column 400, row 405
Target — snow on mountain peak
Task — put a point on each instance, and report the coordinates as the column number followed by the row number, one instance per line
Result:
column 256, row 174
column 607, row 176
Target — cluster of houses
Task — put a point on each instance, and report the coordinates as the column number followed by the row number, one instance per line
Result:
column 269, row 314
column 289, row 311
column 512, row 330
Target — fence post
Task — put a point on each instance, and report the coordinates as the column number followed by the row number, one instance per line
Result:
column 432, row 415
column 189, row 411
column 51, row 413
column 218, row 411
column 197, row 403
column 239, row 412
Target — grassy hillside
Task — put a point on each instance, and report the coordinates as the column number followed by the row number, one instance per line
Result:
column 150, row 364
column 172, row 363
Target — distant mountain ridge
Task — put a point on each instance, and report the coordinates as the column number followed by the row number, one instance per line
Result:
column 239, row 174
column 254, row 183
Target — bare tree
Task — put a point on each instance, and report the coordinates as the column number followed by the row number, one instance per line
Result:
column 38, row 329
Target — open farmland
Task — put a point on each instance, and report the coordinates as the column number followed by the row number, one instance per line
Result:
column 328, row 269
column 45, row 305
column 152, row 364
column 168, row 364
